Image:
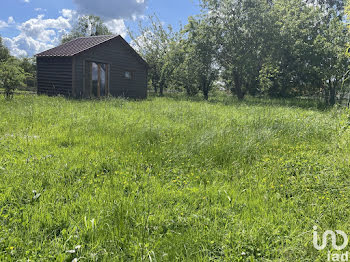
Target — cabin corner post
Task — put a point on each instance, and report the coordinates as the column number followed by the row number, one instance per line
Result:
column 37, row 75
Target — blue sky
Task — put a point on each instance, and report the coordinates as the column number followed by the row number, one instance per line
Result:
column 31, row 26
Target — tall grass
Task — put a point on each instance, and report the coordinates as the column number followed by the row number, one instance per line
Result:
column 169, row 180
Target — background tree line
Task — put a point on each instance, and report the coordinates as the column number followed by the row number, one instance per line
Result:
column 277, row 48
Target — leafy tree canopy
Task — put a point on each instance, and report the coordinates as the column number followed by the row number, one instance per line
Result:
column 89, row 25
column 4, row 52
column 11, row 76
column 153, row 44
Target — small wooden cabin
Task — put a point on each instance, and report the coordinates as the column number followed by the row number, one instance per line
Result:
column 95, row 66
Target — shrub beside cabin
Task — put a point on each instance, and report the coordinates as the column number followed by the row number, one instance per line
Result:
column 95, row 66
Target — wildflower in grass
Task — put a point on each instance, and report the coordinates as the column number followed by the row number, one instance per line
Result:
column 36, row 195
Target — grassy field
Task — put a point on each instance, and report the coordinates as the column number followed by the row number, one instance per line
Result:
column 170, row 180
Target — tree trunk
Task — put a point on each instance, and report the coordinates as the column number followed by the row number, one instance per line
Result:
column 332, row 93
column 188, row 91
column 238, row 86
column 205, row 89
column 326, row 94
column 206, row 94
column 161, row 87
column 155, row 83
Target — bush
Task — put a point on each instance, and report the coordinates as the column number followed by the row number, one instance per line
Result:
column 11, row 76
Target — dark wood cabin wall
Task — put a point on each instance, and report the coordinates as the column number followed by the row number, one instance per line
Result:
column 121, row 59
column 54, row 75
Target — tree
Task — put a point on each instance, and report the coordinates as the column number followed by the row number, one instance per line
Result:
column 308, row 51
column 330, row 45
column 11, row 76
column 200, row 54
column 88, row 25
column 179, row 69
column 189, row 60
column 153, row 44
column 288, row 69
column 4, row 52
column 242, row 37
column 29, row 67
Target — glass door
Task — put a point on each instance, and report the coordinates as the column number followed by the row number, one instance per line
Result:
column 99, row 79
column 103, row 80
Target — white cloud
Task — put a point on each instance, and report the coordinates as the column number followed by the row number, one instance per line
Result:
column 23, row 45
column 67, row 13
column 3, row 24
column 117, row 26
column 11, row 20
column 39, row 9
column 39, row 34
column 112, row 9
column 43, row 29
column 26, row 1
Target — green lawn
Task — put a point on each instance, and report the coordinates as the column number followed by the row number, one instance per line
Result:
column 170, row 180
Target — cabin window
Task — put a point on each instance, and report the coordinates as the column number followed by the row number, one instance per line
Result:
column 129, row 75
